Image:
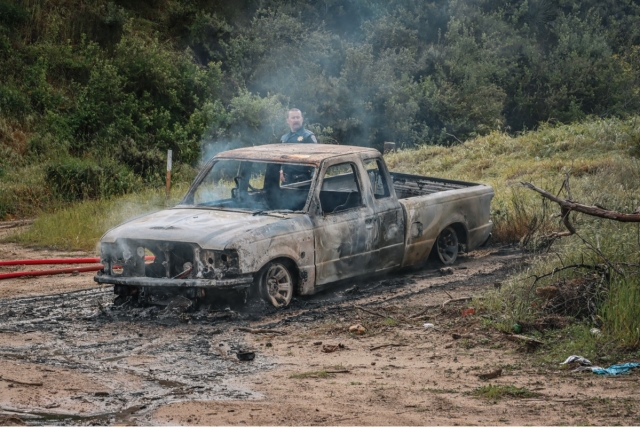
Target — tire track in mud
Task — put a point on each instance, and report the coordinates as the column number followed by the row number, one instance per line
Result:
column 144, row 357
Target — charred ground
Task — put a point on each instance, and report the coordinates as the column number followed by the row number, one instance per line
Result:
column 77, row 358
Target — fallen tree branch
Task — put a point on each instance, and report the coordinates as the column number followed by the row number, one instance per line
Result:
column 342, row 371
column 426, row 308
column 426, row 316
column 20, row 382
column 522, row 338
column 559, row 269
column 373, row 312
column 261, row 331
column 456, row 300
column 387, row 345
column 568, row 205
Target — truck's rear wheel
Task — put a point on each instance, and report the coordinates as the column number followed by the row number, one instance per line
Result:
column 447, row 246
column 276, row 284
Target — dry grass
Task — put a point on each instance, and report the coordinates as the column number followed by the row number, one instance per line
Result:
column 598, row 155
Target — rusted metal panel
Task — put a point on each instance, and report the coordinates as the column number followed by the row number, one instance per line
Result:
column 241, row 282
column 312, row 154
column 428, row 215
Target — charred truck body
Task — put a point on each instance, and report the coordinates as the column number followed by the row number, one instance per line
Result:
column 246, row 225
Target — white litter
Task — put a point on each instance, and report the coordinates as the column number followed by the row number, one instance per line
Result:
column 581, row 360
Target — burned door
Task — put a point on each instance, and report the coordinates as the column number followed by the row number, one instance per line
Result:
column 344, row 230
column 389, row 219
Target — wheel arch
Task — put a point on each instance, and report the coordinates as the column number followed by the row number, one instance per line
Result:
column 290, row 263
column 461, row 232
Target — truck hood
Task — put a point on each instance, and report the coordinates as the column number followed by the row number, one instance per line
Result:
column 211, row 229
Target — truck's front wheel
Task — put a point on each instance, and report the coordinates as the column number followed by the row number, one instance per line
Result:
column 276, row 284
column 447, row 246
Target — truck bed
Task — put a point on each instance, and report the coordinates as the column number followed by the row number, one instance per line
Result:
column 407, row 185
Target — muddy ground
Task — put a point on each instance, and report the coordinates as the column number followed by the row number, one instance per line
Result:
column 69, row 355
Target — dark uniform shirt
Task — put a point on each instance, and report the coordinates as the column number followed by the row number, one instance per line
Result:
column 298, row 173
column 301, row 136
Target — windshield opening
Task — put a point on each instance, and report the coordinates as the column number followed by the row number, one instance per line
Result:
column 254, row 186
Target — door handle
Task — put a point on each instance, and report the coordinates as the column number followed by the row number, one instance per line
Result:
column 368, row 222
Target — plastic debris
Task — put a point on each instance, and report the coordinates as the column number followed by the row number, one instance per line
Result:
column 595, row 331
column 429, row 325
column 577, row 359
column 468, row 312
column 517, row 328
column 622, row 368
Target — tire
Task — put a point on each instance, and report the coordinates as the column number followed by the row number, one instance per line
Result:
column 276, row 284
column 447, row 246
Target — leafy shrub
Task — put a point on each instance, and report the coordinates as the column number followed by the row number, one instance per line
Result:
column 78, row 179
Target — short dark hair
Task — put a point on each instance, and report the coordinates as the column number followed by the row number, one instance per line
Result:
column 293, row 109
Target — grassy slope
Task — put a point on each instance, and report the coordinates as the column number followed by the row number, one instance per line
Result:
column 598, row 155
column 602, row 160
column 80, row 225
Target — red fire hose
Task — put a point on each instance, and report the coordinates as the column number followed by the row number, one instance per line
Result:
column 51, row 272
column 59, row 261
column 55, row 271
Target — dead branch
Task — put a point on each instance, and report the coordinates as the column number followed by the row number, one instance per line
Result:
column 456, row 300
column 426, row 308
column 373, row 312
column 261, row 331
column 20, row 382
column 491, row 375
column 387, row 345
column 522, row 338
column 342, row 371
column 559, row 269
column 568, row 205
column 426, row 316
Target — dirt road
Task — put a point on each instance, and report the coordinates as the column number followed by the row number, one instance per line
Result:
column 68, row 355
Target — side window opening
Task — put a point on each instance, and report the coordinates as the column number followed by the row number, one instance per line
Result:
column 379, row 184
column 340, row 189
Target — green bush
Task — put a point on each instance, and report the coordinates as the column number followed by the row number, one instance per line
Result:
column 74, row 179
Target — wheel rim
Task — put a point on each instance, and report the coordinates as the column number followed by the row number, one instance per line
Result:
column 279, row 285
column 448, row 246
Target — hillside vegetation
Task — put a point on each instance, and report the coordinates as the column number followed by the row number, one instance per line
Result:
column 92, row 94
column 590, row 279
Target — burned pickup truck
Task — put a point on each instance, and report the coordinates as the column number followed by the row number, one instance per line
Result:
column 279, row 220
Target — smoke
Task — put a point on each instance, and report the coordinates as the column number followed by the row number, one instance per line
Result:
column 415, row 71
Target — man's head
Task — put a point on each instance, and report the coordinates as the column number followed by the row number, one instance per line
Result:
column 294, row 119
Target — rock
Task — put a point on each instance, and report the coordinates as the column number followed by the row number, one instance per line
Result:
column 178, row 304
column 445, row 271
column 357, row 329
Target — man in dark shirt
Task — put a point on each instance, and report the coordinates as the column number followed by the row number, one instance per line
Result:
column 298, row 135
